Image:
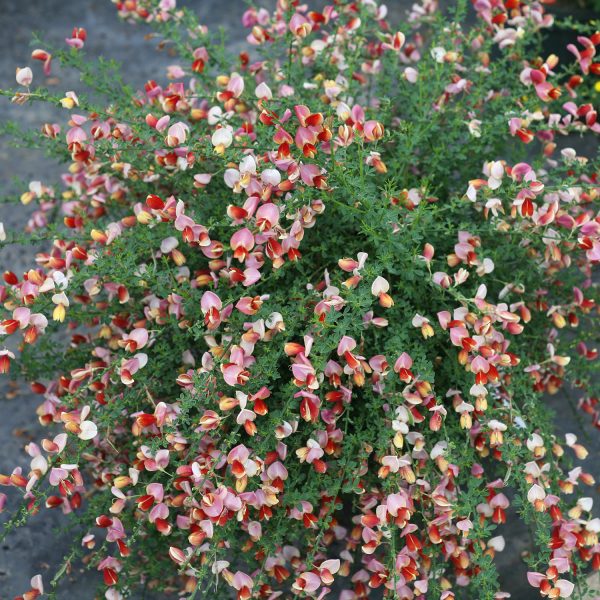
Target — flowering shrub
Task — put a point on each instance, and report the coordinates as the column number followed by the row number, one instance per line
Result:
column 299, row 308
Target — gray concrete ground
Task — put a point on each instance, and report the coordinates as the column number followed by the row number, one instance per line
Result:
column 38, row 547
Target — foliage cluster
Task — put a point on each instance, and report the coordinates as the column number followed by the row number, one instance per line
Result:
column 299, row 307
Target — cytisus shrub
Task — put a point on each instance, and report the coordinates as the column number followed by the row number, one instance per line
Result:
column 298, row 308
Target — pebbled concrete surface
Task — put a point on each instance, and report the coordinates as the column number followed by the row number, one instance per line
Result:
column 38, row 547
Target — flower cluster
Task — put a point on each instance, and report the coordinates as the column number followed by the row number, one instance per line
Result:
column 299, row 308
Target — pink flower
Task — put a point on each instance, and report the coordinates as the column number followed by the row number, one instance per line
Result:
column 395, row 42
column 177, row 134
column 307, row 583
column 242, row 242
column 299, row 25
column 129, row 367
column 45, row 57
column 24, row 76
column 135, row 340
column 373, row 131
column 77, row 39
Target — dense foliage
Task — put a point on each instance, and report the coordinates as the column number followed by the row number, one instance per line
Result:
column 298, row 308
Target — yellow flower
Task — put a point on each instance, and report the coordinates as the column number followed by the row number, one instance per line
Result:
column 59, row 313
column 67, row 103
